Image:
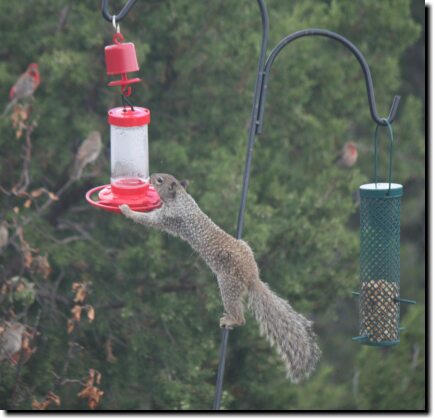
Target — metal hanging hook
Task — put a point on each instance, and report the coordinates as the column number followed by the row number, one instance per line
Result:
column 116, row 25
column 121, row 15
column 356, row 52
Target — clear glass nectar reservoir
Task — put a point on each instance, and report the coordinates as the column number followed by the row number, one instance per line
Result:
column 129, row 147
column 129, row 164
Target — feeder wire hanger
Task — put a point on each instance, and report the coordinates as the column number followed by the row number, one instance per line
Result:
column 257, row 117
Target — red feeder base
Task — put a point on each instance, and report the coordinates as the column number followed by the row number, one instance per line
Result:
column 138, row 195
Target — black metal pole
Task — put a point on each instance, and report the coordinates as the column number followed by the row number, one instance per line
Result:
column 248, row 161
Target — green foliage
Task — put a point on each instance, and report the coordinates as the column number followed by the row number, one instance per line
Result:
column 157, row 305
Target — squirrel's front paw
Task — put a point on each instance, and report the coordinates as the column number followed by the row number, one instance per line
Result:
column 227, row 321
column 125, row 209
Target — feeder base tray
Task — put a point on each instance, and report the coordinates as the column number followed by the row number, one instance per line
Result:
column 109, row 198
column 366, row 341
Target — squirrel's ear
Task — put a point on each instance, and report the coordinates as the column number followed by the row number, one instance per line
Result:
column 184, row 183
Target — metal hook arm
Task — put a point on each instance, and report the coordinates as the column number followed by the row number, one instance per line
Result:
column 121, row 15
column 356, row 52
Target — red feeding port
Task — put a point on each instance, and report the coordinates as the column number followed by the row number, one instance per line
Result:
column 140, row 196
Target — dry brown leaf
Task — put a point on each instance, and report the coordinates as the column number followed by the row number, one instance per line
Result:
column 90, row 381
column 70, row 326
column 37, row 193
column 16, row 210
column 80, row 290
column 91, row 313
column 19, row 116
column 25, row 342
column 20, row 288
column 77, row 311
column 28, row 258
column 93, row 394
column 53, row 397
column 27, row 203
column 42, row 266
column 98, row 377
column 50, row 398
column 80, row 295
column 36, row 405
column 27, row 255
column 19, row 193
column 25, row 248
column 52, row 196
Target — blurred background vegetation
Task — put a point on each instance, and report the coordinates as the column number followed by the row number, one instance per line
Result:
column 155, row 336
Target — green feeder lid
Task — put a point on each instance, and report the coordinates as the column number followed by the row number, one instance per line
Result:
column 380, row 190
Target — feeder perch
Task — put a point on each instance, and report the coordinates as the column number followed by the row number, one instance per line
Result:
column 379, row 295
column 129, row 182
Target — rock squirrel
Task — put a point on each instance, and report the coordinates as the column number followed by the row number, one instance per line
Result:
column 233, row 262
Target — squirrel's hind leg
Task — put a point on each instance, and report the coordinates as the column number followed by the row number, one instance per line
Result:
column 232, row 291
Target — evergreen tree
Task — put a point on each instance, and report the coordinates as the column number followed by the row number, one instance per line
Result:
column 155, row 336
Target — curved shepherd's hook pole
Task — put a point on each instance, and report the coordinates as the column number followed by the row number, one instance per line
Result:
column 256, row 126
column 248, row 160
column 121, row 15
column 355, row 51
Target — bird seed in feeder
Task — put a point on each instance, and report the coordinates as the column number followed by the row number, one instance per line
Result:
column 379, row 310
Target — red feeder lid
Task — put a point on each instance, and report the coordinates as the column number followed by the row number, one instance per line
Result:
column 125, row 117
column 120, row 58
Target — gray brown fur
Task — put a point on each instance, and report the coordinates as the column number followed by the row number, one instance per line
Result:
column 237, row 273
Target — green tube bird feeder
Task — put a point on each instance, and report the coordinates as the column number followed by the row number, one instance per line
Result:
column 379, row 294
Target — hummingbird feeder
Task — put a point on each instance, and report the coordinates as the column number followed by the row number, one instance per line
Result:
column 129, row 182
column 379, row 294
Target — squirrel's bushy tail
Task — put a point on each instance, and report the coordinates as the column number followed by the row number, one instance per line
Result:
column 290, row 332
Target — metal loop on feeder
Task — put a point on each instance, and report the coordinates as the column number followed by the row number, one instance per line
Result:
column 118, row 38
column 375, row 140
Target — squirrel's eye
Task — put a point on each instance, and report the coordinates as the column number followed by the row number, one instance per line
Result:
column 159, row 180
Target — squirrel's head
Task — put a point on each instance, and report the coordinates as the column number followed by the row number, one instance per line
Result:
column 168, row 186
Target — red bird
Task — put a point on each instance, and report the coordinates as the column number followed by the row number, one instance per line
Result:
column 25, row 86
column 348, row 156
